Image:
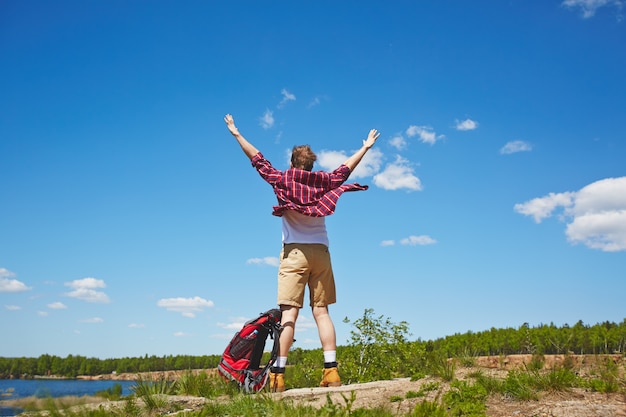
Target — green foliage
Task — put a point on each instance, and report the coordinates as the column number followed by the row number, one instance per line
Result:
column 430, row 386
column 154, row 392
column 130, row 407
column 378, row 349
column 527, row 384
column 467, row 358
column 200, row 385
column 607, row 337
column 414, row 394
column 418, row 375
column 559, row 379
column 536, row 363
column 491, row 385
column 112, row 393
column 429, row 409
column 465, row 399
column 74, row 365
column 516, row 385
column 608, row 379
column 440, row 366
column 307, row 372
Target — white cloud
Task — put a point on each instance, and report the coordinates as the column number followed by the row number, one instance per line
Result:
column 305, row 322
column 7, row 284
column 398, row 175
column 541, row 208
column 267, row 120
column 369, row 165
column 85, row 289
column 136, row 325
column 588, row 8
column 93, row 320
column 188, row 307
column 42, row 313
column 467, row 124
column 12, row 307
column 426, row 134
column 387, row 243
column 181, row 334
column 5, row 273
column 317, row 100
column 516, row 146
column 287, row 97
column 421, row 240
column 398, row 142
column 57, row 306
column 595, row 215
column 329, row 160
column 268, row 260
column 235, row 323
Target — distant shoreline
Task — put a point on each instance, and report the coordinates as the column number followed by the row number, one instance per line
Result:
column 127, row 376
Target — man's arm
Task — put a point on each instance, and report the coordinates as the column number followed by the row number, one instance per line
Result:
column 354, row 160
column 246, row 146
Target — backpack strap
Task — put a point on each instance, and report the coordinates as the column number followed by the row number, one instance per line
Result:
column 250, row 381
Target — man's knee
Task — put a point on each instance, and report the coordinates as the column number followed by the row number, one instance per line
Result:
column 320, row 312
column 289, row 315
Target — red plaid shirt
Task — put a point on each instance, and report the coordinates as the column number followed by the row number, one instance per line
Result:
column 313, row 194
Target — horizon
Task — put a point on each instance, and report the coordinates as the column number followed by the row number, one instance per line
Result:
column 418, row 340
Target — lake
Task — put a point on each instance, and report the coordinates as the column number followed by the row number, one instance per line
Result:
column 11, row 389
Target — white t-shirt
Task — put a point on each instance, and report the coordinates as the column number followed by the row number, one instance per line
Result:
column 298, row 228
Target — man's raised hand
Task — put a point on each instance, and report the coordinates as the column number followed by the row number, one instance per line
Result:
column 371, row 138
column 230, row 123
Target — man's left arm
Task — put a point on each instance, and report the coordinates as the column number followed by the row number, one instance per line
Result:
column 355, row 159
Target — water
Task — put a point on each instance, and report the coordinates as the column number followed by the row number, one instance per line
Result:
column 11, row 389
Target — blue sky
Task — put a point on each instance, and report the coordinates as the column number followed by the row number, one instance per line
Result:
column 131, row 223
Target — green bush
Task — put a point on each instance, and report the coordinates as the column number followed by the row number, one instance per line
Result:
column 429, row 409
column 112, row 393
column 465, row 399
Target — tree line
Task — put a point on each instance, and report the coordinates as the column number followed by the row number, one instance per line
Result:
column 74, row 365
column 601, row 338
column 371, row 336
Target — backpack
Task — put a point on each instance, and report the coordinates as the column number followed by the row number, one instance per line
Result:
column 242, row 357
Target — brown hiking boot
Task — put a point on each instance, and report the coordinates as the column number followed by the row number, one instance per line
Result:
column 330, row 378
column 277, row 382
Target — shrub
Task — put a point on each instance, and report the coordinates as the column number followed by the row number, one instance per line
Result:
column 465, row 399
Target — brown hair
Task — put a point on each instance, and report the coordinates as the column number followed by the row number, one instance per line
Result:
column 303, row 157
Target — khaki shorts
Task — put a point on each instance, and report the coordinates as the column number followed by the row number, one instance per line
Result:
column 303, row 265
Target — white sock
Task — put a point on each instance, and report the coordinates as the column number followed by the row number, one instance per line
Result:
column 281, row 361
column 330, row 356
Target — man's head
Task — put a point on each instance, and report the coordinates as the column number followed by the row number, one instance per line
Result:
column 303, row 157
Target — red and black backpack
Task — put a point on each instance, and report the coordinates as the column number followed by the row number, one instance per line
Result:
column 241, row 360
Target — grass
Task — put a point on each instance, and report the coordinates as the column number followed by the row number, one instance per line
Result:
column 151, row 397
column 443, row 367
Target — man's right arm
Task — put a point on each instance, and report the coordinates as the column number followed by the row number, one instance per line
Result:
column 246, row 146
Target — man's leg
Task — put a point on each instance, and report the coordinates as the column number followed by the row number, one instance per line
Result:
column 288, row 321
column 325, row 328
column 328, row 338
column 277, row 372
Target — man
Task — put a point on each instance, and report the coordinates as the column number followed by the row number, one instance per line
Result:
column 305, row 198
